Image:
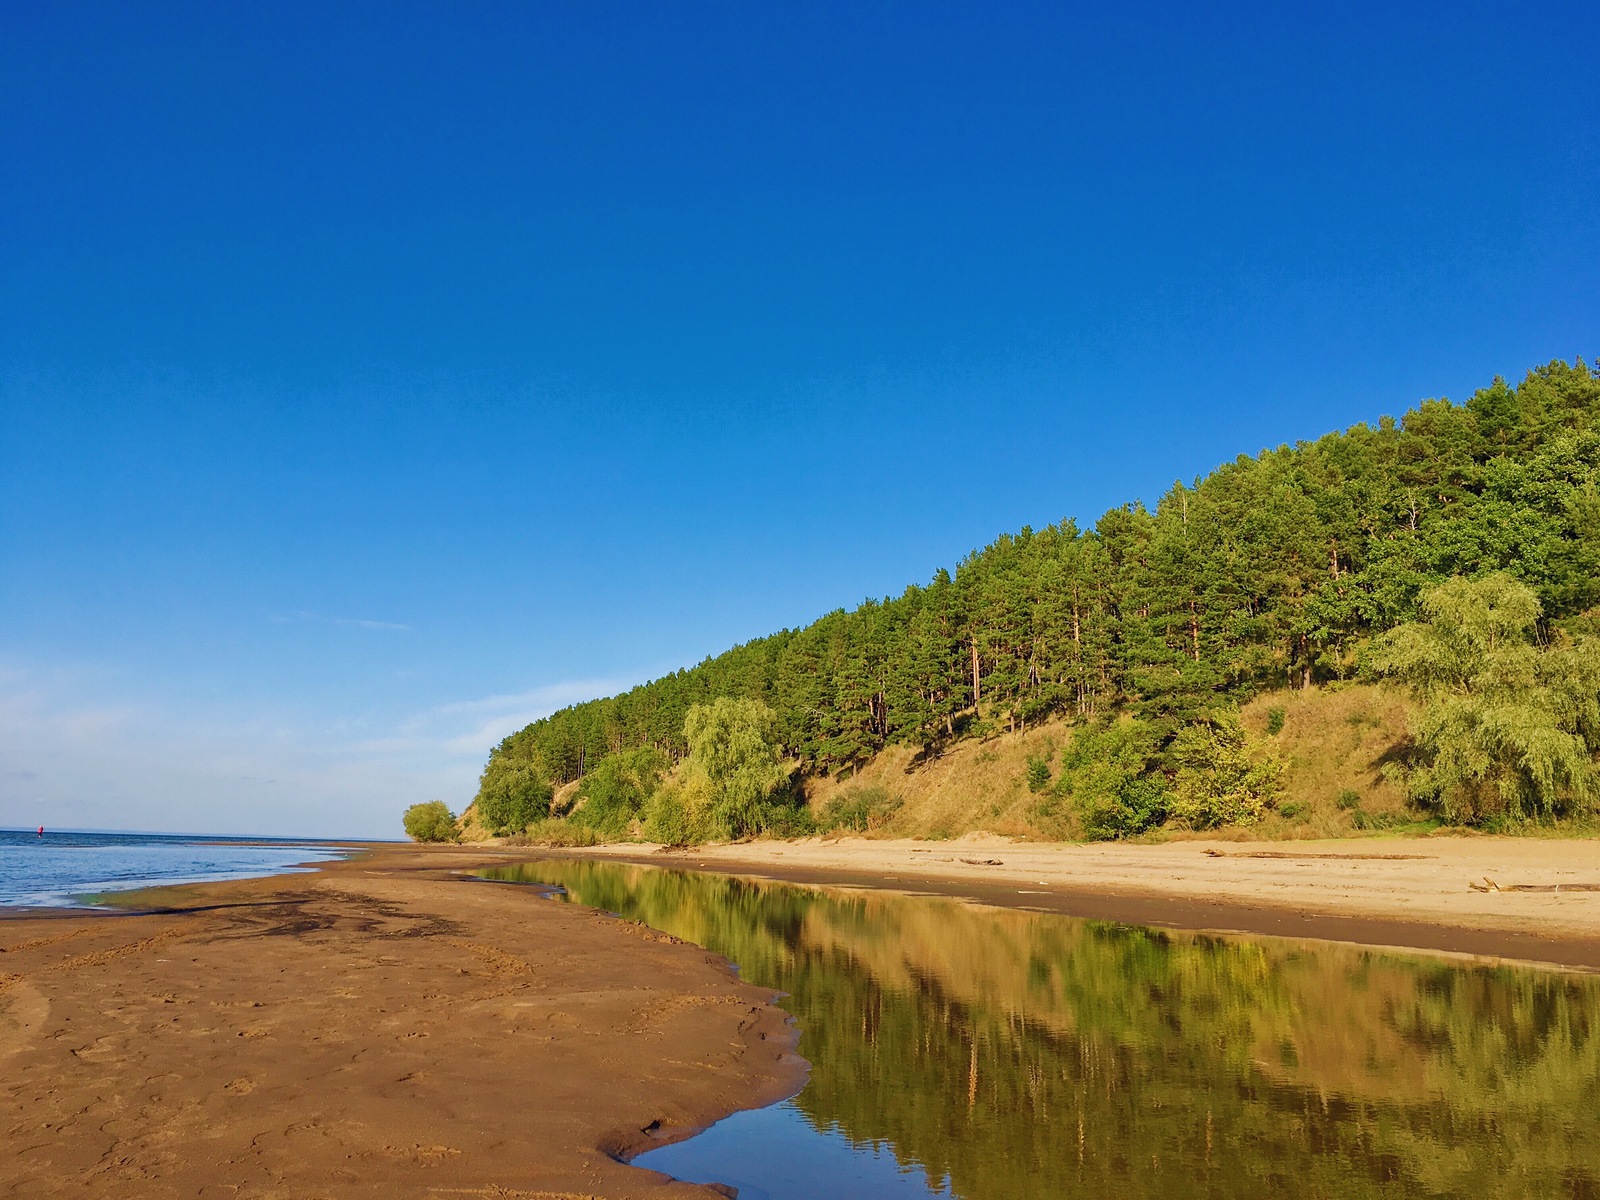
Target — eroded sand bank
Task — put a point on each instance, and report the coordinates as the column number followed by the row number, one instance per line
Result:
column 379, row 1028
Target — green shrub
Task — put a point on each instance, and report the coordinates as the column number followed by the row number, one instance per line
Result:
column 666, row 820
column 1348, row 799
column 1139, row 804
column 1221, row 779
column 430, row 821
column 554, row 831
column 1275, row 717
column 1365, row 820
column 860, row 810
column 1038, row 774
column 787, row 821
column 1108, row 772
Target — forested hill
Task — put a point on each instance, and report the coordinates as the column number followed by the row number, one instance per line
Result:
column 1268, row 572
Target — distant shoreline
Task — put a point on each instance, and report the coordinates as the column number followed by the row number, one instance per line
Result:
column 84, row 870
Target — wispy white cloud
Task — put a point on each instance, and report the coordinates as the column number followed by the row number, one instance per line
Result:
column 300, row 616
column 496, row 716
column 76, row 751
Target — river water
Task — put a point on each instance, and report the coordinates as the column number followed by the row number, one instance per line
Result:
column 996, row 1054
column 75, row 868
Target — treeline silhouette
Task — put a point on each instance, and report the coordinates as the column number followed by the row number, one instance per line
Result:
column 1269, row 572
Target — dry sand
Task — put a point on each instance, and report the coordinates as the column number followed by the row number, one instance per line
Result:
column 378, row 1028
column 1540, row 903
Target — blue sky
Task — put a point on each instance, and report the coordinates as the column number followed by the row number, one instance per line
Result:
column 375, row 378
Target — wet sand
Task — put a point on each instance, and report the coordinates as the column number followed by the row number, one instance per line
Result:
column 381, row 1027
column 1539, row 900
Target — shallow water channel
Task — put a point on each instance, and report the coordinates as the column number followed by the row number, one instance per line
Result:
column 979, row 1052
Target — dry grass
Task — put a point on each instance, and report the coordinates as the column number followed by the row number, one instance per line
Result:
column 468, row 828
column 1334, row 742
column 976, row 786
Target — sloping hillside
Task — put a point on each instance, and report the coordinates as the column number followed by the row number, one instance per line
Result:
column 1333, row 741
column 1270, row 572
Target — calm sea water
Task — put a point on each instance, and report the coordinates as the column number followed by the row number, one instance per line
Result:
column 65, row 868
column 993, row 1054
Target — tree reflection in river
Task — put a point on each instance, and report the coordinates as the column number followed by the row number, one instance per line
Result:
column 1028, row 1055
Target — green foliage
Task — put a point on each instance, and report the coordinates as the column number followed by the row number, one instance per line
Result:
column 1275, row 717
column 732, row 784
column 1349, row 799
column 511, row 796
column 859, row 810
column 667, row 821
column 554, row 831
column 1038, row 772
column 1273, row 570
column 430, row 821
column 1509, row 727
column 787, row 821
column 1222, row 779
column 1108, row 771
column 614, row 794
column 1362, row 819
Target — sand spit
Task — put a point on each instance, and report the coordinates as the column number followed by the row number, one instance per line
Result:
column 379, row 1028
column 1528, row 899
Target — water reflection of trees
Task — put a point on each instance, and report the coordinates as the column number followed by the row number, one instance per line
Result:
column 1026, row 1055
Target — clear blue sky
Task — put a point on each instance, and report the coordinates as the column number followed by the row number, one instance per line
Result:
column 374, row 378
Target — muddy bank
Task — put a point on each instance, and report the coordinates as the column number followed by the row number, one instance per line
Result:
column 380, row 1028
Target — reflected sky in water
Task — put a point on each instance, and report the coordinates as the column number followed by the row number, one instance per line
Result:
column 992, row 1053
column 778, row 1153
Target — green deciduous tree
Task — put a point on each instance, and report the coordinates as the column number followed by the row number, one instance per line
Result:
column 733, row 772
column 1508, row 727
column 614, row 794
column 511, row 796
column 430, row 821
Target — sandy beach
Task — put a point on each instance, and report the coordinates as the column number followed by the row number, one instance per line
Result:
column 1529, row 899
column 381, row 1027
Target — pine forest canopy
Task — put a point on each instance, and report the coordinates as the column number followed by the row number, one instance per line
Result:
column 1270, row 571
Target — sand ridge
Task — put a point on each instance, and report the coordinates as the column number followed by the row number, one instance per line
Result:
column 382, row 1027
